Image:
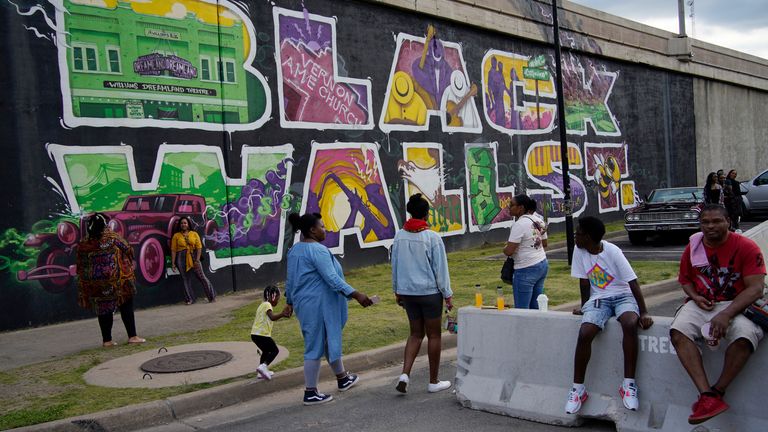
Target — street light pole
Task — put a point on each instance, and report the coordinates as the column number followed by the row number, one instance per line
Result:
column 567, row 205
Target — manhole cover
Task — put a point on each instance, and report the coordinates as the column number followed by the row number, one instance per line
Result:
column 186, row 361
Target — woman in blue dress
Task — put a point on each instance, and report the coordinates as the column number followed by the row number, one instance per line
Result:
column 316, row 290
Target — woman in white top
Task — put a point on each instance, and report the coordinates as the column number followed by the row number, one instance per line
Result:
column 526, row 243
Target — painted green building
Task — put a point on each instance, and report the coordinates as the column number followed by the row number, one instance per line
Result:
column 124, row 64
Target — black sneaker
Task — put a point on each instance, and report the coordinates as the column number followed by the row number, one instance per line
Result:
column 347, row 382
column 313, row 397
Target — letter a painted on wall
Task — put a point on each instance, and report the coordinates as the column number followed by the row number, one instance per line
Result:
column 429, row 77
column 422, row 172
column 488, row 202
column 312, row 94
column 345, row 184
column 186, row 64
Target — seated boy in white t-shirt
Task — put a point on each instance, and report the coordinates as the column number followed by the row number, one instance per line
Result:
column 608, row 288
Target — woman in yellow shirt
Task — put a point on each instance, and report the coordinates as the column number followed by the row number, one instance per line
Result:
column 186, row 249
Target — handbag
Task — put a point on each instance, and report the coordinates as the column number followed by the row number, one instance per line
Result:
column 508, row 270
column 757, row 312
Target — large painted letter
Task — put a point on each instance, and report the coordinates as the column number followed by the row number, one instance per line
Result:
column 586, row 98
column 429, row 77
column 242, row 219
column 544, row 166
column 345, row 184
column 169, row 64
column 312, row 94
column 488, row 202
column 607, row 165
column 513, row 86
column 422, row 171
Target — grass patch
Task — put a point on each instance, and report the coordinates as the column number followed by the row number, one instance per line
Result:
column 55, row 389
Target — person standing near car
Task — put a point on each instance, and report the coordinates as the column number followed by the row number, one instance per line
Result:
column 526, row 243
column 186, row 249
column 105, row 278
column 713, row 192
column 732, row 192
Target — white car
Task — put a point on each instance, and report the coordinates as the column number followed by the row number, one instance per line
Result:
column 755, row 199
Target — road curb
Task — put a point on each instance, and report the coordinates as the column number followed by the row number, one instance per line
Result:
column 168, row 410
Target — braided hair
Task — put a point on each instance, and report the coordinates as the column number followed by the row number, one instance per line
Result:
column 270, row 292
column 96, row 225
column 304, row 223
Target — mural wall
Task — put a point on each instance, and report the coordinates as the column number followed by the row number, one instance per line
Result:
column 236, row 113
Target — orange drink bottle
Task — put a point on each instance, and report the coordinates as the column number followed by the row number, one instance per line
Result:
column 499, row 299
column 478, row 296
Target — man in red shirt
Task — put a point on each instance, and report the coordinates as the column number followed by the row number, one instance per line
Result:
column 722, row 273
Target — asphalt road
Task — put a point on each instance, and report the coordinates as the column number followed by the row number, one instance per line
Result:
column 667, row 247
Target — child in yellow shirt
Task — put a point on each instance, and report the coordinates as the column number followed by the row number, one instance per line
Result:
column 261, row 332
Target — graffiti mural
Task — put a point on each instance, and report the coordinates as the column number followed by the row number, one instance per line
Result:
column 488, row 201
column 586, row 91
column 312, row 93
column 429, row 77
column 543, row 164
column 242, row 219
column 187, row 64
column 423, row 172
column 345, row 184
column 607, row 165
column 518, row 93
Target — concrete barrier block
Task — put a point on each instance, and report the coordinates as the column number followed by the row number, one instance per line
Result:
column 520, row 363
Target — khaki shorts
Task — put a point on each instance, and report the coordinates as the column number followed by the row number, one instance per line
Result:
column 690, row 318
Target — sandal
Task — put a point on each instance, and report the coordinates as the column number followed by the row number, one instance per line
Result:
column 109, row 344
column 136, row 340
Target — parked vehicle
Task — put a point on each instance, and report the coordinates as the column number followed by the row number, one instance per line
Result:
column 755, row 198
column 146, row 222
column 665, row 210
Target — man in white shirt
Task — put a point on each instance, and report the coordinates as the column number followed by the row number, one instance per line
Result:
column 608, row 288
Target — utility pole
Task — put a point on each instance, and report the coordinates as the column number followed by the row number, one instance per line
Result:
column 567, row 205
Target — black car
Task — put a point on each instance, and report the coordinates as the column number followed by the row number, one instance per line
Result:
column 665, row 210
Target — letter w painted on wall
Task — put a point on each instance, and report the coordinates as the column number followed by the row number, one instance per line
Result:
column 345, row 184
column 248, row 213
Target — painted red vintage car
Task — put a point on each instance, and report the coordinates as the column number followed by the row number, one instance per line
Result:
column 146, row 222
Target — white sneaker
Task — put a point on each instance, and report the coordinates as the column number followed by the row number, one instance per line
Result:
column 264, row 372
column 402, row 383
column 629, row 396
column 575, row 399
column 439, row 386
column 271, row 374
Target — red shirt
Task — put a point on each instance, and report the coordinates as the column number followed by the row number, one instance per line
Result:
column 723, row 278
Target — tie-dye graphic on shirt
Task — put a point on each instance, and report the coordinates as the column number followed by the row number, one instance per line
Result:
column 600, row 278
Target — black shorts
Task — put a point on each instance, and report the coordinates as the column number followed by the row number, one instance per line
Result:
column 425, row 307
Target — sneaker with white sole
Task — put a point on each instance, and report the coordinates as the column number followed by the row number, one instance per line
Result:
column 313, row 397
column 402, row 383
column 264, row 372
column 259, row 377
column 347, row 382
column 439, row 386
column 575, row 399
column 629, row 396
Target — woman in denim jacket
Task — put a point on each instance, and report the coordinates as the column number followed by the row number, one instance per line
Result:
column 421, row 282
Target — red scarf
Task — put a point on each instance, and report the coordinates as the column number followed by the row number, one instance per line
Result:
column 415, row 225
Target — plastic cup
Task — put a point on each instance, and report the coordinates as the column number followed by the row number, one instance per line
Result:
column 543, row 301
column 712, row 343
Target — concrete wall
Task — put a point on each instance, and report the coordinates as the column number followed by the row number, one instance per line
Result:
column 108, row 103
column 731, row 131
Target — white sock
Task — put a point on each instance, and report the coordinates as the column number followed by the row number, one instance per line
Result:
column 628, row 381
column 404, row 378
column 579, row 388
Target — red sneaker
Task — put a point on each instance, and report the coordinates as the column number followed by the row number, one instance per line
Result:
column 707, row 407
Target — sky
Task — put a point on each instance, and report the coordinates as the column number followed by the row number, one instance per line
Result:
column 737, row 24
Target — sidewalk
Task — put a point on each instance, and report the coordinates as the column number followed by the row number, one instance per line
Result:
column 24, row 347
